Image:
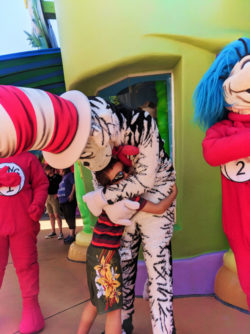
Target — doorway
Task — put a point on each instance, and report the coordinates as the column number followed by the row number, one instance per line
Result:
column 152, row 93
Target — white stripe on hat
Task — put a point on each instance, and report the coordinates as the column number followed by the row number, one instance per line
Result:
column 45, row 116
column 9, row 140
column 31, row 118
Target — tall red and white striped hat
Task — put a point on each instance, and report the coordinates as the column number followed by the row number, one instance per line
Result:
column 32, row 119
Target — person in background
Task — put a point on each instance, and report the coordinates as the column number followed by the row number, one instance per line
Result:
column 52, row 202
column 150, row 107
column 104, row 273
column 67, row 201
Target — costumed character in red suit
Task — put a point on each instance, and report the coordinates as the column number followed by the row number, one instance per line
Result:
column 23, row 192
column 26, row 118
column 223, row 106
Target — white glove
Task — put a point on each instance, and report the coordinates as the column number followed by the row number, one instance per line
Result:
column 95, row 201
column 124, row 222
column 120, row 212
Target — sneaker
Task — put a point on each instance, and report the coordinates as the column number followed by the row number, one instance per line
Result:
column 69, row 240
column 51, row 235
column 60, row 236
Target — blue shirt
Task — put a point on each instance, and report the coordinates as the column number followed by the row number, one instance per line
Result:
column 65, row 187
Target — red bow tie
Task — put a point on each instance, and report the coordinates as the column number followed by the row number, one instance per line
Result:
column 9, row 179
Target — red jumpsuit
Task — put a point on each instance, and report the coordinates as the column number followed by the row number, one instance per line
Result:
column 227, row 143
column 21, row 207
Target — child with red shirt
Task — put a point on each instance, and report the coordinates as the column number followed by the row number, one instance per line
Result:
column 103, row 260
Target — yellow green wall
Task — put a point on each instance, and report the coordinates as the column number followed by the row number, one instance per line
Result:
column 103, row 42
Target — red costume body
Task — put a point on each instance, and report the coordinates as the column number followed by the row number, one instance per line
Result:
column 21, row 207
column 227, row 143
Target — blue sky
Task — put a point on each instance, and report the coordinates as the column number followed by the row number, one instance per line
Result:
column 14, row 19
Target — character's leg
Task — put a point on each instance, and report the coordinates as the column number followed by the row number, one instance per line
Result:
column 242, row 258
column 4, row 253
column 156, row 235
column 131, row 240
column 24, row 254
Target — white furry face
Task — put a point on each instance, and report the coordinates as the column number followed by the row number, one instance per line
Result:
column 98, row 151
column 96, row 157
column 237, row 87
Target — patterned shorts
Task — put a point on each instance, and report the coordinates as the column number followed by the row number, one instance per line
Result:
column 104, row 278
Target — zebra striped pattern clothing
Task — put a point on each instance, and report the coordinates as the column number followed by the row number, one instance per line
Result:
column 153, row 170
column 107, row 234
column 154, row 234
column 153, row 179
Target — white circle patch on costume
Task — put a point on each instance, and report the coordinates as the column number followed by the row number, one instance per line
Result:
column 237, row 170
column 13, row 168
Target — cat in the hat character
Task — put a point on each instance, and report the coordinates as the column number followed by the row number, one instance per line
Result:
column 73, row 127
column 222, row 105
column 23, row 192
column 26, row 118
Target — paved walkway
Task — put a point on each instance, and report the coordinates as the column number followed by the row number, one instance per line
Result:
column 63, row 292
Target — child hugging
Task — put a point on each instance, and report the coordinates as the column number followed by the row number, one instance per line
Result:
column 104, row 273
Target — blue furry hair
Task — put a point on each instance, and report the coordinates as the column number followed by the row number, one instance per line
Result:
column 208, row 97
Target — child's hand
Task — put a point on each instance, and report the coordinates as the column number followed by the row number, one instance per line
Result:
column 124, row 222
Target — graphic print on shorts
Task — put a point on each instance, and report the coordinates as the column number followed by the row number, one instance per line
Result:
column 106, row 279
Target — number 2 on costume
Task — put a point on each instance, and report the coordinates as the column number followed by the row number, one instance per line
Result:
column 237, row 170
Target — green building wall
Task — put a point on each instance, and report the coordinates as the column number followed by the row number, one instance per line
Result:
column 103, row 42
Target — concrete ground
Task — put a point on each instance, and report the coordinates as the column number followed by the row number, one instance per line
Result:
column 63, row 292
